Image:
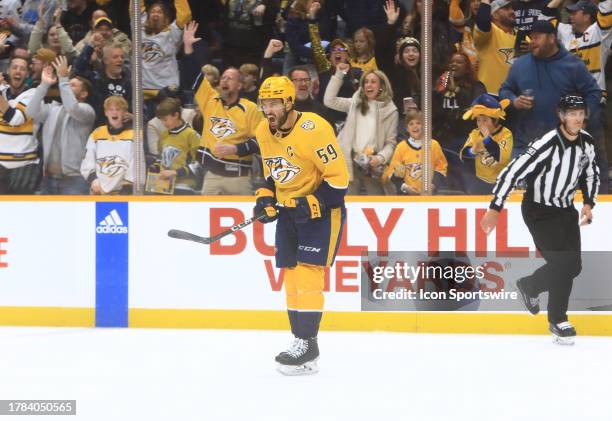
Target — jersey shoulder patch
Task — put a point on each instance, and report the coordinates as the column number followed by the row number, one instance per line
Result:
column 308, row 125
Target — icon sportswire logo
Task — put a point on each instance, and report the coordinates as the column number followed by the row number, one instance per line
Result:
column 112, row 224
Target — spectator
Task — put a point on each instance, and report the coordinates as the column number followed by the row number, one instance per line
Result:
column 537, row 80
column 339, row 53
column 250, row 77
column 43, row 57
column 33, row 11
column 107, row 29
column 494, row 38
column 363, row 50
column 111, row 80
column 160, row 44
column 57, row 39
column 179, row 146
column 19, row 161
column 249, row 24
column 456, row 89
column 9, row 17
column 405, row 171
column 370, row 132
column 303, row 14
column 404, row 69
column 108, row 165
column 588, row 36
column 65, row 128
column 526, row 12
column 155, row 126
column 228, row 141
column 489, row 145
column 77, row 19
column 465, row 27
column 302, row 81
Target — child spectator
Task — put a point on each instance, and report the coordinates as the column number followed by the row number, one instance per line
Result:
column 108, row 165
column 489, row 145
column 405, row 171
column 213, row 75
column 250, row 76
column 156, row 128
column 370, row 130
column 363, row 50
column 178, row 144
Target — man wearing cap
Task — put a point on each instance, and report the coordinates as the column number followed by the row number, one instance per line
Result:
column 494, row 39
column 537, row 80
column 588, row 36
column 100, row 19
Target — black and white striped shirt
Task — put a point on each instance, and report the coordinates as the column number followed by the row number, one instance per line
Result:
column 553, row 168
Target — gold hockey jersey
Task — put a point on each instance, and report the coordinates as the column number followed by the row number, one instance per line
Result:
column 299, row 162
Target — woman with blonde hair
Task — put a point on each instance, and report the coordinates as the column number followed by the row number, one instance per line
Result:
column 369, row 134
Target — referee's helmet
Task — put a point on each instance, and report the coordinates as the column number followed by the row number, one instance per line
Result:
column 571, row 102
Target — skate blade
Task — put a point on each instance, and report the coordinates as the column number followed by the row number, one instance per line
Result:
column 298, row 370
column 563, row 341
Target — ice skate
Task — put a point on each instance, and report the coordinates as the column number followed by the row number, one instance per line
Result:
column 300, row 359
column 532, row 304
column 563, row 333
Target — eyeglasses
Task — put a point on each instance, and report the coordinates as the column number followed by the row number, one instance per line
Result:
column 340, row 50
column 304, row 80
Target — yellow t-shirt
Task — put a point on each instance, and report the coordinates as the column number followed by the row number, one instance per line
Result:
column 495, row 56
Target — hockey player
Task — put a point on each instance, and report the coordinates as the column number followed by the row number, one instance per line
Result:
column 306, row 180
column 553, row 166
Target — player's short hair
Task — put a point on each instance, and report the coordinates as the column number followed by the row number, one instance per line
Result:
column 115, row 101
column 414, row 115
column 168, row 107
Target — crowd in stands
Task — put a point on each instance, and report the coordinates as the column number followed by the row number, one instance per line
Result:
column 499, row 69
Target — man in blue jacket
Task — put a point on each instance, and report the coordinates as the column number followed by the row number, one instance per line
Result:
column 535, row 83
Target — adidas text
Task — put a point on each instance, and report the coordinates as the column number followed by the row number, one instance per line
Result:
column 111, row 230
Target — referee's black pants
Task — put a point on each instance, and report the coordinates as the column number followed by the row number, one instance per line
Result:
column 556, row 234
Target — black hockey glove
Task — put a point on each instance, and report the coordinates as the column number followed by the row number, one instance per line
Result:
column 265, row 202
column 306, row 207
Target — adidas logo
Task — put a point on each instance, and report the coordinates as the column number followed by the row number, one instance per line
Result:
column 112, row 224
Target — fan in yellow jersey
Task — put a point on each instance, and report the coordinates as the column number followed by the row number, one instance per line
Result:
column 406, row 167
column 490, row 144
column 307, row 179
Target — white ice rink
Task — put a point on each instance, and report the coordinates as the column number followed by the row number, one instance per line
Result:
column 180, row 375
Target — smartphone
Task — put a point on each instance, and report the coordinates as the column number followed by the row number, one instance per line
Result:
column 409, row 104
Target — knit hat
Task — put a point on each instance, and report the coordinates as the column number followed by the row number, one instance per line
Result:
column 45, row 55
column 488, row 106
column 408, row 42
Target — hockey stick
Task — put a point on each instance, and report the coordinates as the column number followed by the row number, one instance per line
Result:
column 184, row 235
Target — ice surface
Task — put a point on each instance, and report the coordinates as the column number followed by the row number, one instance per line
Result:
column 179, row 375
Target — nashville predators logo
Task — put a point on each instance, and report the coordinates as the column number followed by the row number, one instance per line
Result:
column 414, row 170
column 508, row 54
column 151, row 52
column 308, row 125
column 281, row 170
column 222, row 127
column 112, row 166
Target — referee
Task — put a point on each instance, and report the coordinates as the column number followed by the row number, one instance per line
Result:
column 553, row 167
